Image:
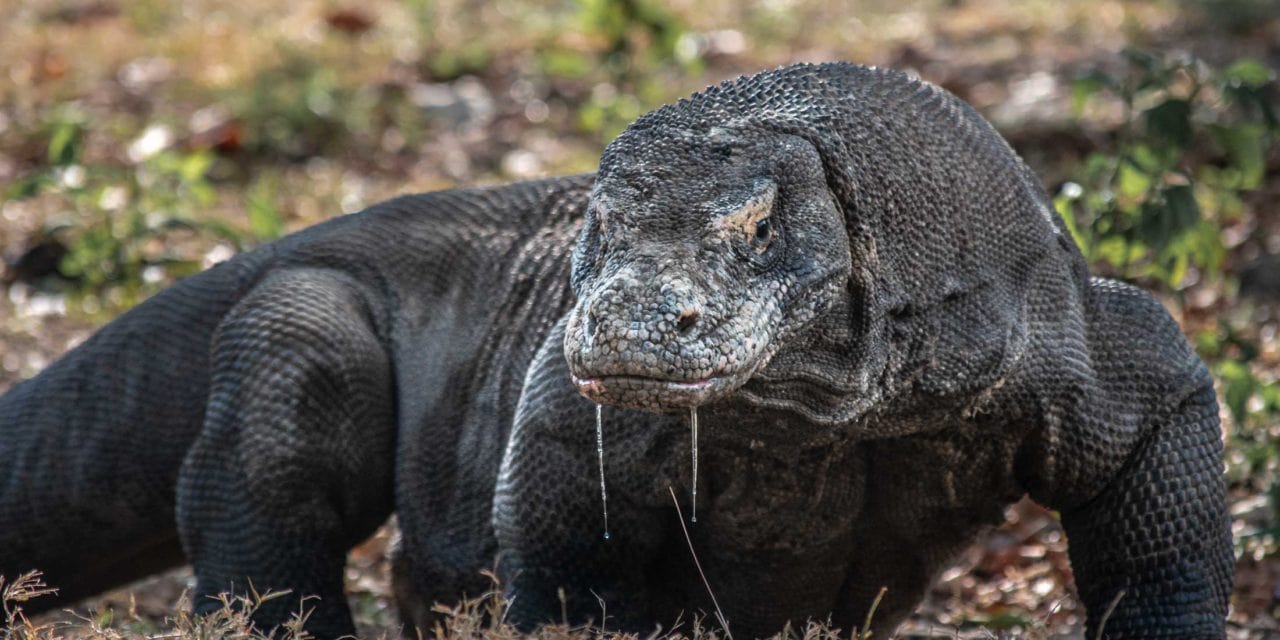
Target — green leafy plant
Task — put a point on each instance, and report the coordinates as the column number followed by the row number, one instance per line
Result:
column 636, row 48
column 1190, row 142
column 313, row 102
column 123, row 226
column 295, row 109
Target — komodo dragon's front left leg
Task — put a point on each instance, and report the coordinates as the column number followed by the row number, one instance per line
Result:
column 1135, row 466
column 1154, row 548
column 293, row 466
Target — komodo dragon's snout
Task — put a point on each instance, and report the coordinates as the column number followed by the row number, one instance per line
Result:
column 695, row 260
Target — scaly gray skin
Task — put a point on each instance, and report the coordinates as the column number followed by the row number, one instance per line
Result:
column 908, row 345
column 889, row 337
column 271, row 412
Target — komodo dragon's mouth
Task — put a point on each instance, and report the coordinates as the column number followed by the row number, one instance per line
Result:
column 650, row 393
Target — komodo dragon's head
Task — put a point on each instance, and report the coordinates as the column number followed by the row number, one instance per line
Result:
column 814, row 239
column 704, row 253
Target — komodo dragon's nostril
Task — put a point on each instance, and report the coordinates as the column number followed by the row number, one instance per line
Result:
column 688, row 318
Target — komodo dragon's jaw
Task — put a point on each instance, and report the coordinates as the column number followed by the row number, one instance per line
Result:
column 700, row 255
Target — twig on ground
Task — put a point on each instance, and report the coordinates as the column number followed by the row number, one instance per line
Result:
column 865, row 634
column 1102, row 625
column 719, row 614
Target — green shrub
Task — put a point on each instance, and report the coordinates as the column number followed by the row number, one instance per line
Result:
column 638, row 48
column 126, row 228
column 1190, row 142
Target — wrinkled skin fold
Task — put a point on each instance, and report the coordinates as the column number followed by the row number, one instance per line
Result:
column 885, row 330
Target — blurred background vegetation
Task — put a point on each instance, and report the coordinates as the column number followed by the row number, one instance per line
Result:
column 143, row 140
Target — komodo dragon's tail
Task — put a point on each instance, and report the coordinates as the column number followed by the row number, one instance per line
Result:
column 90, row 448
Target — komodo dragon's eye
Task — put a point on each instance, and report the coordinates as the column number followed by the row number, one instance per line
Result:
column 753, row 219
column 764, row 233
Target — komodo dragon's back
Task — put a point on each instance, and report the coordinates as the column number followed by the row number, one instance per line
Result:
column 92, row 444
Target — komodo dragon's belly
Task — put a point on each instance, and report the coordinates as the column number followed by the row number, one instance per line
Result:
column 773, row 536
column 785, row 538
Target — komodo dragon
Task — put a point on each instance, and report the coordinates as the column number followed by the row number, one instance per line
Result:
column 845, row 274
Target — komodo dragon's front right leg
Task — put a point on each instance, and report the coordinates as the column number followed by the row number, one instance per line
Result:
column 293, row 466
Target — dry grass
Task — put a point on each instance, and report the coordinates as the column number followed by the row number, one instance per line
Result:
column 480, row 618
column 231, row 622
column 472, row 619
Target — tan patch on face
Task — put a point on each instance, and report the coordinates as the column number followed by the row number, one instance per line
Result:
column 602, row 211
column 742, row 222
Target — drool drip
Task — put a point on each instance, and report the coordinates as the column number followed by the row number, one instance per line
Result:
column 693, row 425
column 604, row 496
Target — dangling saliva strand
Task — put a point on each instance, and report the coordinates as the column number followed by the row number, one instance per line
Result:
column 604, row 496
column 693, row 425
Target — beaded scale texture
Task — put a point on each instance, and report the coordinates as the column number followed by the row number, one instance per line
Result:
column 851, row 280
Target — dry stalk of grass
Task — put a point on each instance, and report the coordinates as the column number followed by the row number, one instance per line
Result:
column 480, row 618
column 25, row 587
column 231, row 621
